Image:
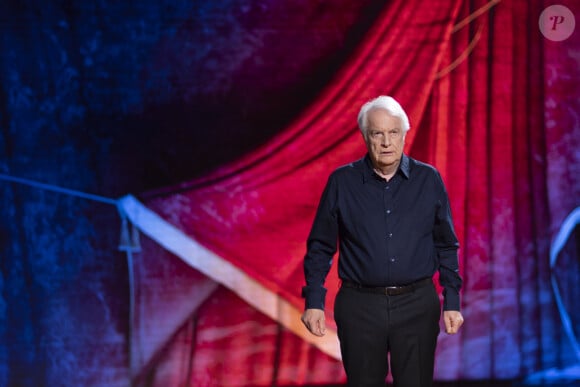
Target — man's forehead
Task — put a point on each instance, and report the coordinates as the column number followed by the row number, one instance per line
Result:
column 384, row 117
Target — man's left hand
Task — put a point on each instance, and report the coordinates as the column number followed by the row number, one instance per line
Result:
column 453, row 321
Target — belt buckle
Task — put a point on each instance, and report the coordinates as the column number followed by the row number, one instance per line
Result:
column 392, row 290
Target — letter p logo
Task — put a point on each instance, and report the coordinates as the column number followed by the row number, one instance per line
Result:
column 557, row 22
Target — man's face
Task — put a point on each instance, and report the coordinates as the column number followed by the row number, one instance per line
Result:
column 385, row 138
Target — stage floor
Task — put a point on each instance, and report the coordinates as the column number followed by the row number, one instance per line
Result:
column 487, row 383
column 575, row 383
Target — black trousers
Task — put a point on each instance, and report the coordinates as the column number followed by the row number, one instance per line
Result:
column 370, row 326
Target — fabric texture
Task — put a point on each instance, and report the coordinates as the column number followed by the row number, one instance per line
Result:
column 487, row 108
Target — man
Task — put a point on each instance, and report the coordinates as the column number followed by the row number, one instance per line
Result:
column 391, row 217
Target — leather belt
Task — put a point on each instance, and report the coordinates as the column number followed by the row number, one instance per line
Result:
column 388, row 290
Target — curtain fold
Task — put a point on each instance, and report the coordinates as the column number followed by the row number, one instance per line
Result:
column 497, row 123
column 490, row 132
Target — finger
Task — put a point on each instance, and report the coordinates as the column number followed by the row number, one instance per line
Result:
column 450, row 326
column 307, row 324
column 447, row 325
column 318, row 328
column 454, row 325
column 310, row 326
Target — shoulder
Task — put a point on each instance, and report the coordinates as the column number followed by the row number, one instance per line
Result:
column 421, row 168
column 427, row 174
column 352, row 169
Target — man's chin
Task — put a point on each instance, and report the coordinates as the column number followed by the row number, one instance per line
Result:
column 387, row 161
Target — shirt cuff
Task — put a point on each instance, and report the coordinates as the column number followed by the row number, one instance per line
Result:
column 451, row 300
column 314, row 297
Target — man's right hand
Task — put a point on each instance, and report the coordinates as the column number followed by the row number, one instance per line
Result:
column 313, row 319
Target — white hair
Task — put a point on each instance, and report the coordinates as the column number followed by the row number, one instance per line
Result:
column 386, row 103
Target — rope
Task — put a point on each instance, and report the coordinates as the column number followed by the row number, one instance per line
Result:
column 465, row 54
column 54, row 188
column 129, row 239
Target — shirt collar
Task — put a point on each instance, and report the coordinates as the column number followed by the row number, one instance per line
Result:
column 368, row 172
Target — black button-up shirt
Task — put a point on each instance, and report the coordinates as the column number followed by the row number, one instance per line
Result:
column 389, row 233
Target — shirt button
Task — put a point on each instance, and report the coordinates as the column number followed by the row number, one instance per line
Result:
column 390, row 235
column 388, row 211
column 392, row 259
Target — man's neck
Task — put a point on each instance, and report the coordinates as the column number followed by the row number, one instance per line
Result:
column 386, row 172
column 386, row 176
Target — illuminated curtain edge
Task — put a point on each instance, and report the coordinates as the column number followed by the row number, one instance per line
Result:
column 223, row 272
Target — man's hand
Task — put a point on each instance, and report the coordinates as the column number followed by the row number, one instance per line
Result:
column 314, row 320
column 453, row 321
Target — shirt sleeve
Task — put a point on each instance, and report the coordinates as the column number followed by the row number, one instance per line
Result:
column 321, row 247
column 447, row 245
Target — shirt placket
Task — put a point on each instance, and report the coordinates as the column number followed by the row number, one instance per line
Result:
column 388, row 191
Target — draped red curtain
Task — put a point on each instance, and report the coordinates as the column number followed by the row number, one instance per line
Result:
column 477, row 100
column 502, row 127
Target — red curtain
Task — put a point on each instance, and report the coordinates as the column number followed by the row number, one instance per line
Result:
column 503, row 128
column 484, row 109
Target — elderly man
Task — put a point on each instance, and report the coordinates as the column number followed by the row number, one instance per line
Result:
column 391, row 217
